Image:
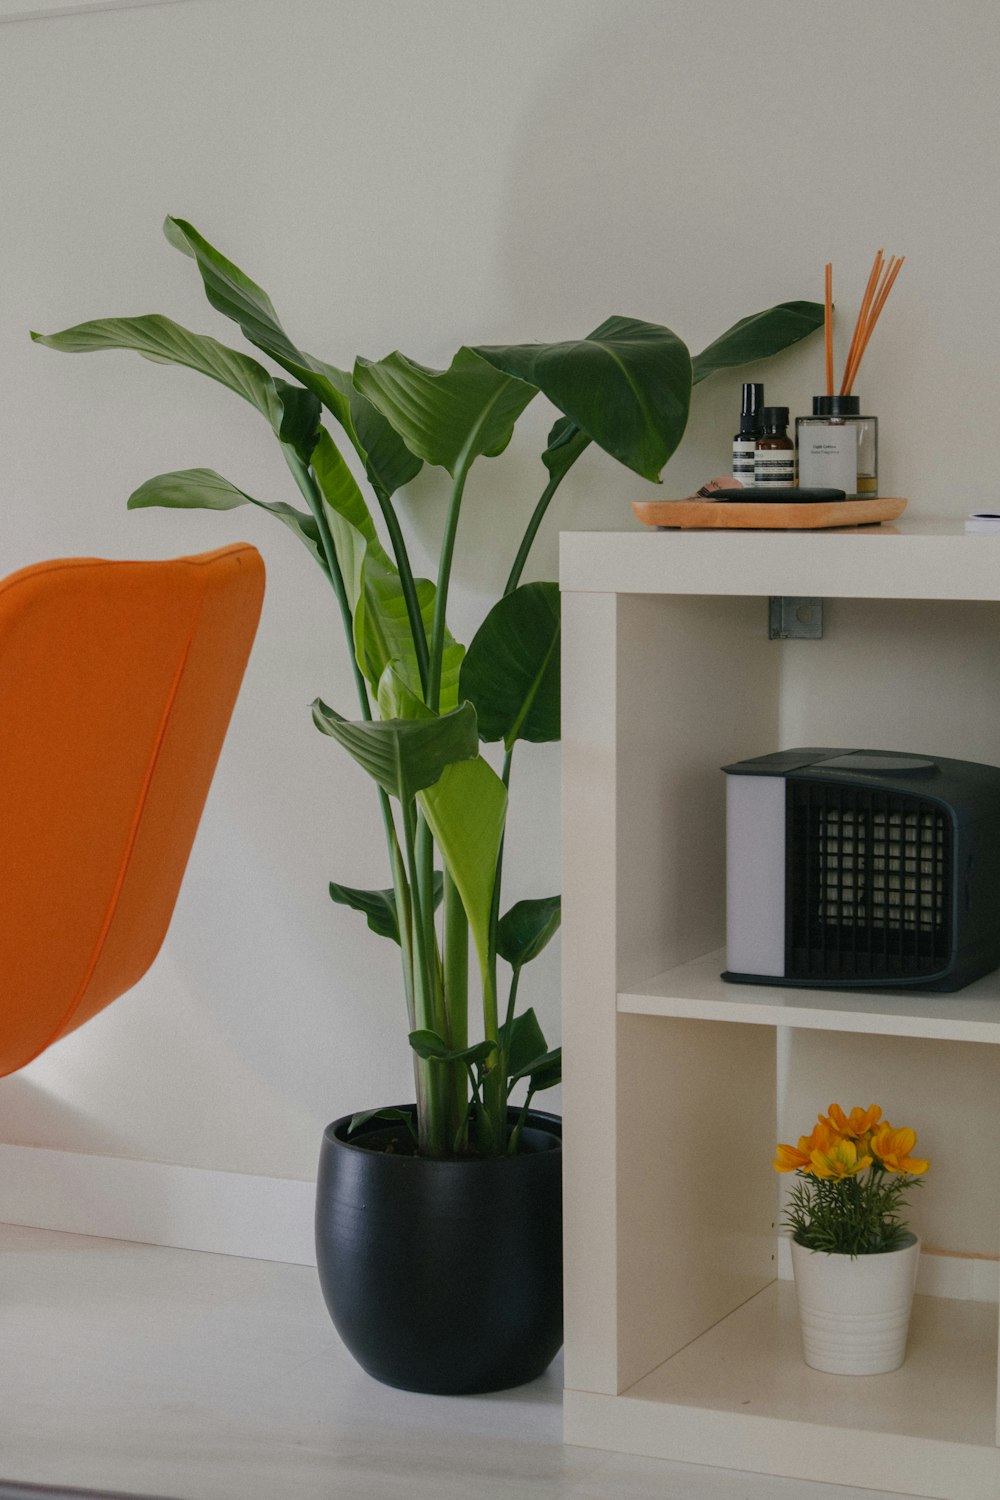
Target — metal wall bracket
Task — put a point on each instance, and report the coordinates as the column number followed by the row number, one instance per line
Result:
column 794, row 619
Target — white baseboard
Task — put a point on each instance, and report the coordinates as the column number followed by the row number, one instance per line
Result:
column 968, row 1278
column 263, row 1218
column 154, row 1203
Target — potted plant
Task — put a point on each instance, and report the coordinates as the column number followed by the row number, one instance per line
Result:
column 854, row 1260
column 438, row 1222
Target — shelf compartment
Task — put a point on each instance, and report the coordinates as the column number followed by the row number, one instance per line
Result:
column 741, row 1397
column 695, row 991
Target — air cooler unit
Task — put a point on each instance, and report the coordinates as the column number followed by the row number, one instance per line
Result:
column 862, row 868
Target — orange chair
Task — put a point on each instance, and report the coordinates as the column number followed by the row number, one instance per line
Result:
column 117, row 682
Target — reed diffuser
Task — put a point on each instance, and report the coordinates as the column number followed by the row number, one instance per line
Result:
column 838, row 445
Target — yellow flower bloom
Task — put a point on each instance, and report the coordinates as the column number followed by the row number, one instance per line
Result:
column 839, row 1159
column 790, row 1158
column 893, row 1147
column 855, row 1125
column 798, row 1159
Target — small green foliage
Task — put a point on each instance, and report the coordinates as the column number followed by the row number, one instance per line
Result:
column 851, row 1215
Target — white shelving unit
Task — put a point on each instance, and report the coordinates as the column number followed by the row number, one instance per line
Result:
column 682, row 1340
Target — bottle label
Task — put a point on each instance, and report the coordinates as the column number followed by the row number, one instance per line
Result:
column 828, row 455
column 774, row 466
column 743, row 451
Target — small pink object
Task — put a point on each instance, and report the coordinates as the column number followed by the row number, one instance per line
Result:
column 709, row 488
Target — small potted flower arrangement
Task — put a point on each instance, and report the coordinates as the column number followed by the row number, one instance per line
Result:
column 853, row 1257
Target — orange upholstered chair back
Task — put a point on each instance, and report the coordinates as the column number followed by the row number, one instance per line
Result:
column 117, row 681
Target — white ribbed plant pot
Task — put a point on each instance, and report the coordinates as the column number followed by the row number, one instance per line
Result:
column 854, row 1314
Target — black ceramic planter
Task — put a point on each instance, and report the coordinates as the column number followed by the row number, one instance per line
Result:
column 443, row 1276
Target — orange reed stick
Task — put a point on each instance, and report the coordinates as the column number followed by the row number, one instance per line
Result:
column 884, row 291
column 871, row 316
column 828, row 328
column 892, row 271
column 868, row 302
column 859, row 326
column 862, row 314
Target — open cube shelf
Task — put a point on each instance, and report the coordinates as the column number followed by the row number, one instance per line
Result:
column 682, row 1340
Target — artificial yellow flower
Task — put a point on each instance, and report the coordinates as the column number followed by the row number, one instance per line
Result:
column 893, row 1147
column 857, row 1124
column 798, row 1158
column 840, row 1159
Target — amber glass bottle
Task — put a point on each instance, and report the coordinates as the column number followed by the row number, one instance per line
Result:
column 774, row 455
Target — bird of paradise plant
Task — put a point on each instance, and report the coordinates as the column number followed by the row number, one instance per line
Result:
column 425, row 703
column 853, row 1171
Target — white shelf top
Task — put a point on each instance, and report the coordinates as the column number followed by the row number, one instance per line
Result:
column 694, row 990
column 912, row 560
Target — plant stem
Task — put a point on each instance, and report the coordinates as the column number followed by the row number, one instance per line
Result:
column 461, row 1140
column 515, row 1135
column 399, row 552
column 425, row 863
column 443, row 580
column 492, row 963
column 424, row 876
column 317, row 506
column 430, row 1119
column 398, row 544
column 511, row 998
column 494, row 1082
column 527, row 540
column 456, row 990
column 311, row 493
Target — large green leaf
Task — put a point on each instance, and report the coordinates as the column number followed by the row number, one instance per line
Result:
column 166, row 342
column 448, row 417
column 232, row 293
column 465, row 810
column 759, row 336
column 379, row 906
column 396, row 699
column 381, row 624
column 403, row 755
column 342, row 494
column 542, row 1072
column 388, row 637
column 389, row 464
column 354, row 541
column 527, row 928
column 433, row 1048
column 204, row 489
column 299, row 427
column 511, row 670
column 566, row 443
column 627, row 385
column 523, row 1040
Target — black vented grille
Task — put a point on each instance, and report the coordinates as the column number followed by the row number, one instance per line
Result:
column 867, row 884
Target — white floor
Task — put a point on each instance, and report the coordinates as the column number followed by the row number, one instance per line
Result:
column 205, row 1377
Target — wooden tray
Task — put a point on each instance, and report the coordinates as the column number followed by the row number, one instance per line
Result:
column 750, row 516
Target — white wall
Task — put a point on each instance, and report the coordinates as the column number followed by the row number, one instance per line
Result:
column 419, row 176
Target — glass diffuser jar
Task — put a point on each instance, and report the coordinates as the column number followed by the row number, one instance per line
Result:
column 838, row 447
